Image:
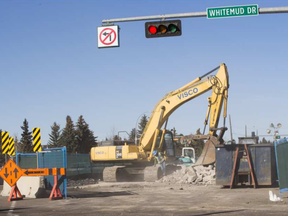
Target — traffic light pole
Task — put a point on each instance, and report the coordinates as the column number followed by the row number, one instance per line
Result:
column 186, row 15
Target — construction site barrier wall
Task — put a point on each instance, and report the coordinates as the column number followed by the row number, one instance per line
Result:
column 26, row 160
column 78, row 165
column 54, row 158
column 47, row 158
column 281, row 151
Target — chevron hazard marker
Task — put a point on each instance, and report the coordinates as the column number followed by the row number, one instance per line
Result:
column 36, row 139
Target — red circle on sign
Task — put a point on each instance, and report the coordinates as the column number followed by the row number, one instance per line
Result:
column 112, row 32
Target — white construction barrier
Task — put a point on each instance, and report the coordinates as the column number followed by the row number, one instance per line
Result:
column 29, row 186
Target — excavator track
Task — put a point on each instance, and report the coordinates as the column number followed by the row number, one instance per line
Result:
column 113, row 174
column 152, row 173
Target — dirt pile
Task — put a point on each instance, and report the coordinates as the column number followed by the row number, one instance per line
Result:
column 197, row 175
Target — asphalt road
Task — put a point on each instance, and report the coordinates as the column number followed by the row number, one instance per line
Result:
column 151, row 199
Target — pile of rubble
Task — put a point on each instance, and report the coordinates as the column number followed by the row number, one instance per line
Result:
column 198, row 175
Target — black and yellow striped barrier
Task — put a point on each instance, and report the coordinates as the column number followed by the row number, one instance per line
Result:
column 36, row 140
column 11, row 147
column 5, row 142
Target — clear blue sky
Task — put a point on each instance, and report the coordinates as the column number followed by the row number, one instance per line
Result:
column 51, row 67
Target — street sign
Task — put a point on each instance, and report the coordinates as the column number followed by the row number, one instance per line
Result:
column 43, row 172
column 11, row 173
column 108, row 36
column 5, row 142
column 232, row 11
column 36, row 140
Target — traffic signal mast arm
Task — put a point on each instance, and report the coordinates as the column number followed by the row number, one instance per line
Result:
column 269, row 10
column 219, row 85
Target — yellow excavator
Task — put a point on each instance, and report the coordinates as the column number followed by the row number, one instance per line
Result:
column 134, row 159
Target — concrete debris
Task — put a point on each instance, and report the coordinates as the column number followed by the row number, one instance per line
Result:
column 80, row 182
column 196, row 175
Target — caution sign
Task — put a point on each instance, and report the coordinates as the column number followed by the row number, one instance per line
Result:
column 108, row 36
column 5, row 142
column 11, row 147
column 36, row 140
column 11, row 173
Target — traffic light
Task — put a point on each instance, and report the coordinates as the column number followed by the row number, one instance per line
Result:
column 278, row 137
column 163, row 28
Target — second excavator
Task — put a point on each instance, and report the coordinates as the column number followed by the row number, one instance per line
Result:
column 132, row 160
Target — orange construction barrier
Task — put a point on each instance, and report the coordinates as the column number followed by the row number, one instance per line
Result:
column 11, row 174
column 13, row 194
column 55, row 193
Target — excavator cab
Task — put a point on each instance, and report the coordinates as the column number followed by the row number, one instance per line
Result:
column 168, row 145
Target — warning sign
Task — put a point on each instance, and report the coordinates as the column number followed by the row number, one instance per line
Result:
column 108, row 36
column 11, row 173
column 36, row 140
column 5, row 142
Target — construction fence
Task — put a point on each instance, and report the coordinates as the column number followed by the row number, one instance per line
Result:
column 77, row 165
column 281, row 150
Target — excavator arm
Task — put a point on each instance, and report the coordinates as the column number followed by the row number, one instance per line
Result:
column 219, row 85
column 153, row 138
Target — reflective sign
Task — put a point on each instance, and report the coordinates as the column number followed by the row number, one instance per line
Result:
column 11, row 173
column 108, row 36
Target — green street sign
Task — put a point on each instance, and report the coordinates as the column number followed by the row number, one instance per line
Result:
column 232, row 11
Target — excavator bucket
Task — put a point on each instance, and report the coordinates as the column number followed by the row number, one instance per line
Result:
column 207, row 156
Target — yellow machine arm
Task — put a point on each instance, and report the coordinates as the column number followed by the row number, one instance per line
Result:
column 219, row 85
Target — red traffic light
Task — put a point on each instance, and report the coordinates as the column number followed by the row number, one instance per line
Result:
column 163, row 28
column 152, row 29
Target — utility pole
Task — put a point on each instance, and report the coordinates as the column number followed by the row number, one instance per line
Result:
column 245, row 130
column 231, row 134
